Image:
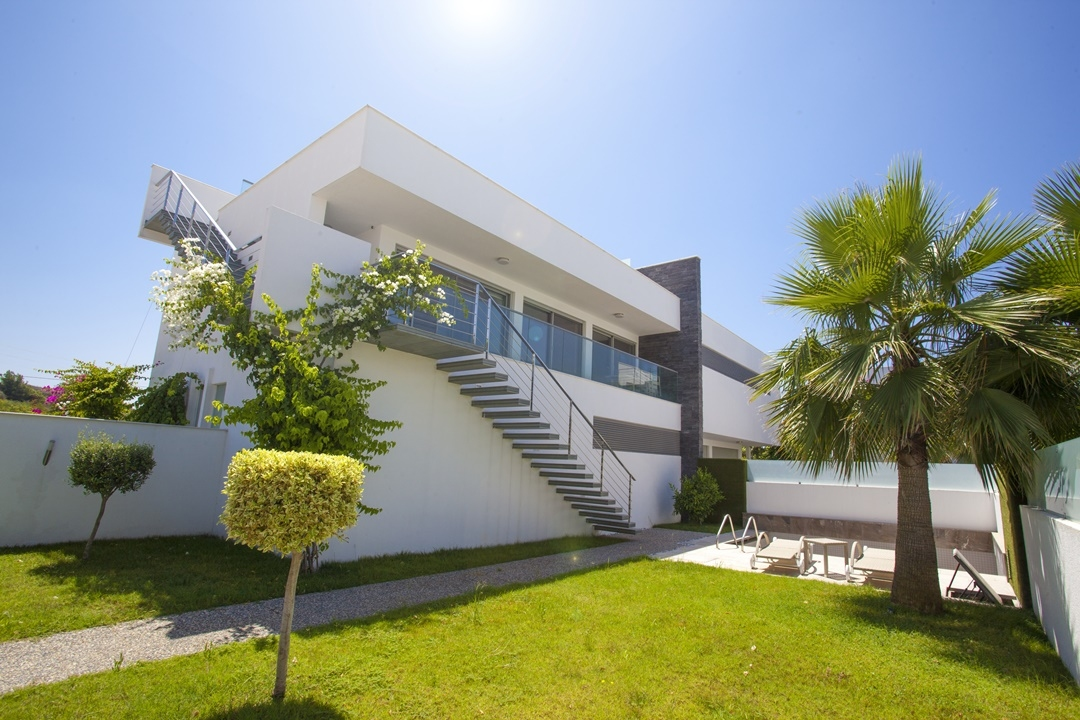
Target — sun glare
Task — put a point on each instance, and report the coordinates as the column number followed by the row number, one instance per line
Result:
column 478, row 16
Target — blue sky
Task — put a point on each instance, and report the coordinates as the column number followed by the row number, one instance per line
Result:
column 657, row 130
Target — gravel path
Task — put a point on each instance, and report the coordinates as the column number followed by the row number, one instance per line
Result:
column 53, row 658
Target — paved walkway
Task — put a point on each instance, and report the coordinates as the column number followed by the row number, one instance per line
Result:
column 53, row 658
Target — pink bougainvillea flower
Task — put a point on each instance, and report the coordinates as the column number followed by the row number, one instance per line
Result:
column 37, row 411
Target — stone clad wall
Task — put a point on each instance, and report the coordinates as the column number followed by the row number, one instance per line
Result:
column 681, row 351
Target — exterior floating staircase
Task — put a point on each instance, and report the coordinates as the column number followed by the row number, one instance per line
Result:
column 177, row 213
column 573, row 464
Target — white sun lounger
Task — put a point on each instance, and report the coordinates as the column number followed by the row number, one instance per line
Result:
column 978, row 589
column 780, row 552
column 873, row 562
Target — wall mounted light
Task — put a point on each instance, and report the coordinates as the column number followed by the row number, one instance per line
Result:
column 619, row 315
column 503, row 260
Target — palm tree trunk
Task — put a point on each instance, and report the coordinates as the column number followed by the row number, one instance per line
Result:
column 286, row 626
column 915, row 581
column 97, row 524
column 1012, row 497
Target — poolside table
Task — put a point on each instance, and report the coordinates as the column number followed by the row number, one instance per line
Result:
column 826, row 543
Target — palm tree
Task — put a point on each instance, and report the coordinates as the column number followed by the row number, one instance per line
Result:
column 1051, row 267
column 899, row 295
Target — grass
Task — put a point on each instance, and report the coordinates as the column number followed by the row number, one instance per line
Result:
column 640, row 639
column 48, row 589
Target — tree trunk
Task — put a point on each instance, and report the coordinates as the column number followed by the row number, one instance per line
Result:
column 915, row 581
column 310, row 563
column 97, row 524
column 1012, row 497
column 286, row 626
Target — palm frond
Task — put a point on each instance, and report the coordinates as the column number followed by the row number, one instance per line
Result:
column 1058, row 198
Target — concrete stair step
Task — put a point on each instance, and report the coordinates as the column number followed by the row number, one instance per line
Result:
column 582, row 485
column 574, row 491
column 468, row 363
column 539, row 445
column 500, row 402
column 468, row 378
column 599, row 504
column 567, row 474
column 510, row 412
column 538, row 434
column 478, row 390
column 512, row 424
column 557, row 464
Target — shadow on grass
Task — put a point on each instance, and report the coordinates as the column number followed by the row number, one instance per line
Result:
column 168, row 574
column 287, row 709
column 171, row 575
column 1007, row 641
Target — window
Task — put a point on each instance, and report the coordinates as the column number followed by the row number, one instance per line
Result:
column 611, row 341
column 556, row 338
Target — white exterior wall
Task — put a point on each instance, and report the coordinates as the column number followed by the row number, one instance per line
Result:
column 452, row 480
column 292, row 186
column 1053, row 556
column 652, row 502
column 291, row 245
column 39, row 505
column 719, row 338
column 728, row 411
column 730, row 418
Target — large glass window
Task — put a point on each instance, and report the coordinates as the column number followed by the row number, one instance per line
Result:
column 556, row 338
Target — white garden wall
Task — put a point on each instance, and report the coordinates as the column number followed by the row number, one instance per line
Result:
column 1053, row 556
column 39, row 505
column 956, row 495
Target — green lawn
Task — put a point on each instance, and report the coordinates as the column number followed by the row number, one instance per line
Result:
column 47, row 589
column 641, row 639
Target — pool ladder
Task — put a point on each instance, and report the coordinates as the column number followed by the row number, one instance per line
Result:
column 740, row 540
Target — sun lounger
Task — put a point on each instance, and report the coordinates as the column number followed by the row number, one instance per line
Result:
column 873, row 562
column 978, row 589
column 780, row 552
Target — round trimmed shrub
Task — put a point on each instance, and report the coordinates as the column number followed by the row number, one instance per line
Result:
column 284, row 501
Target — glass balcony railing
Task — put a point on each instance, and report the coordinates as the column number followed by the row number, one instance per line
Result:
column 479, row 323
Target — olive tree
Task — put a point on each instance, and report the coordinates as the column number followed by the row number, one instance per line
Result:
column 284, row 502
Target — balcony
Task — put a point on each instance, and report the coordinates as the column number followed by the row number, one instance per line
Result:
column 482, row 325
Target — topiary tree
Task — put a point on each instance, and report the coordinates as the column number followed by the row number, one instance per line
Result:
column 698, row 496
column 285, row 502
column 105, row 466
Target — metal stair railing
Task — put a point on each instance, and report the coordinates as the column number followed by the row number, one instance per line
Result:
column 495, row 331
column 186, row 218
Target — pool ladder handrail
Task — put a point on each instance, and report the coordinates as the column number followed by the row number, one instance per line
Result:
column 740, row 541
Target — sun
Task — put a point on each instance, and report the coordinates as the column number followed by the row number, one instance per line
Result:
column 478, row 16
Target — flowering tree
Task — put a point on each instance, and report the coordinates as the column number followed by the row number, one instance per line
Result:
column 306, row 398
column 95, row 391
column 285, row 502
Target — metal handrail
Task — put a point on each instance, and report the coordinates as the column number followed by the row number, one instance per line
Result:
column 537, row 360
column 221, row 244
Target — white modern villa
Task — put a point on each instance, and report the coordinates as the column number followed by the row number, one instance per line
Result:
column 571, row 390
